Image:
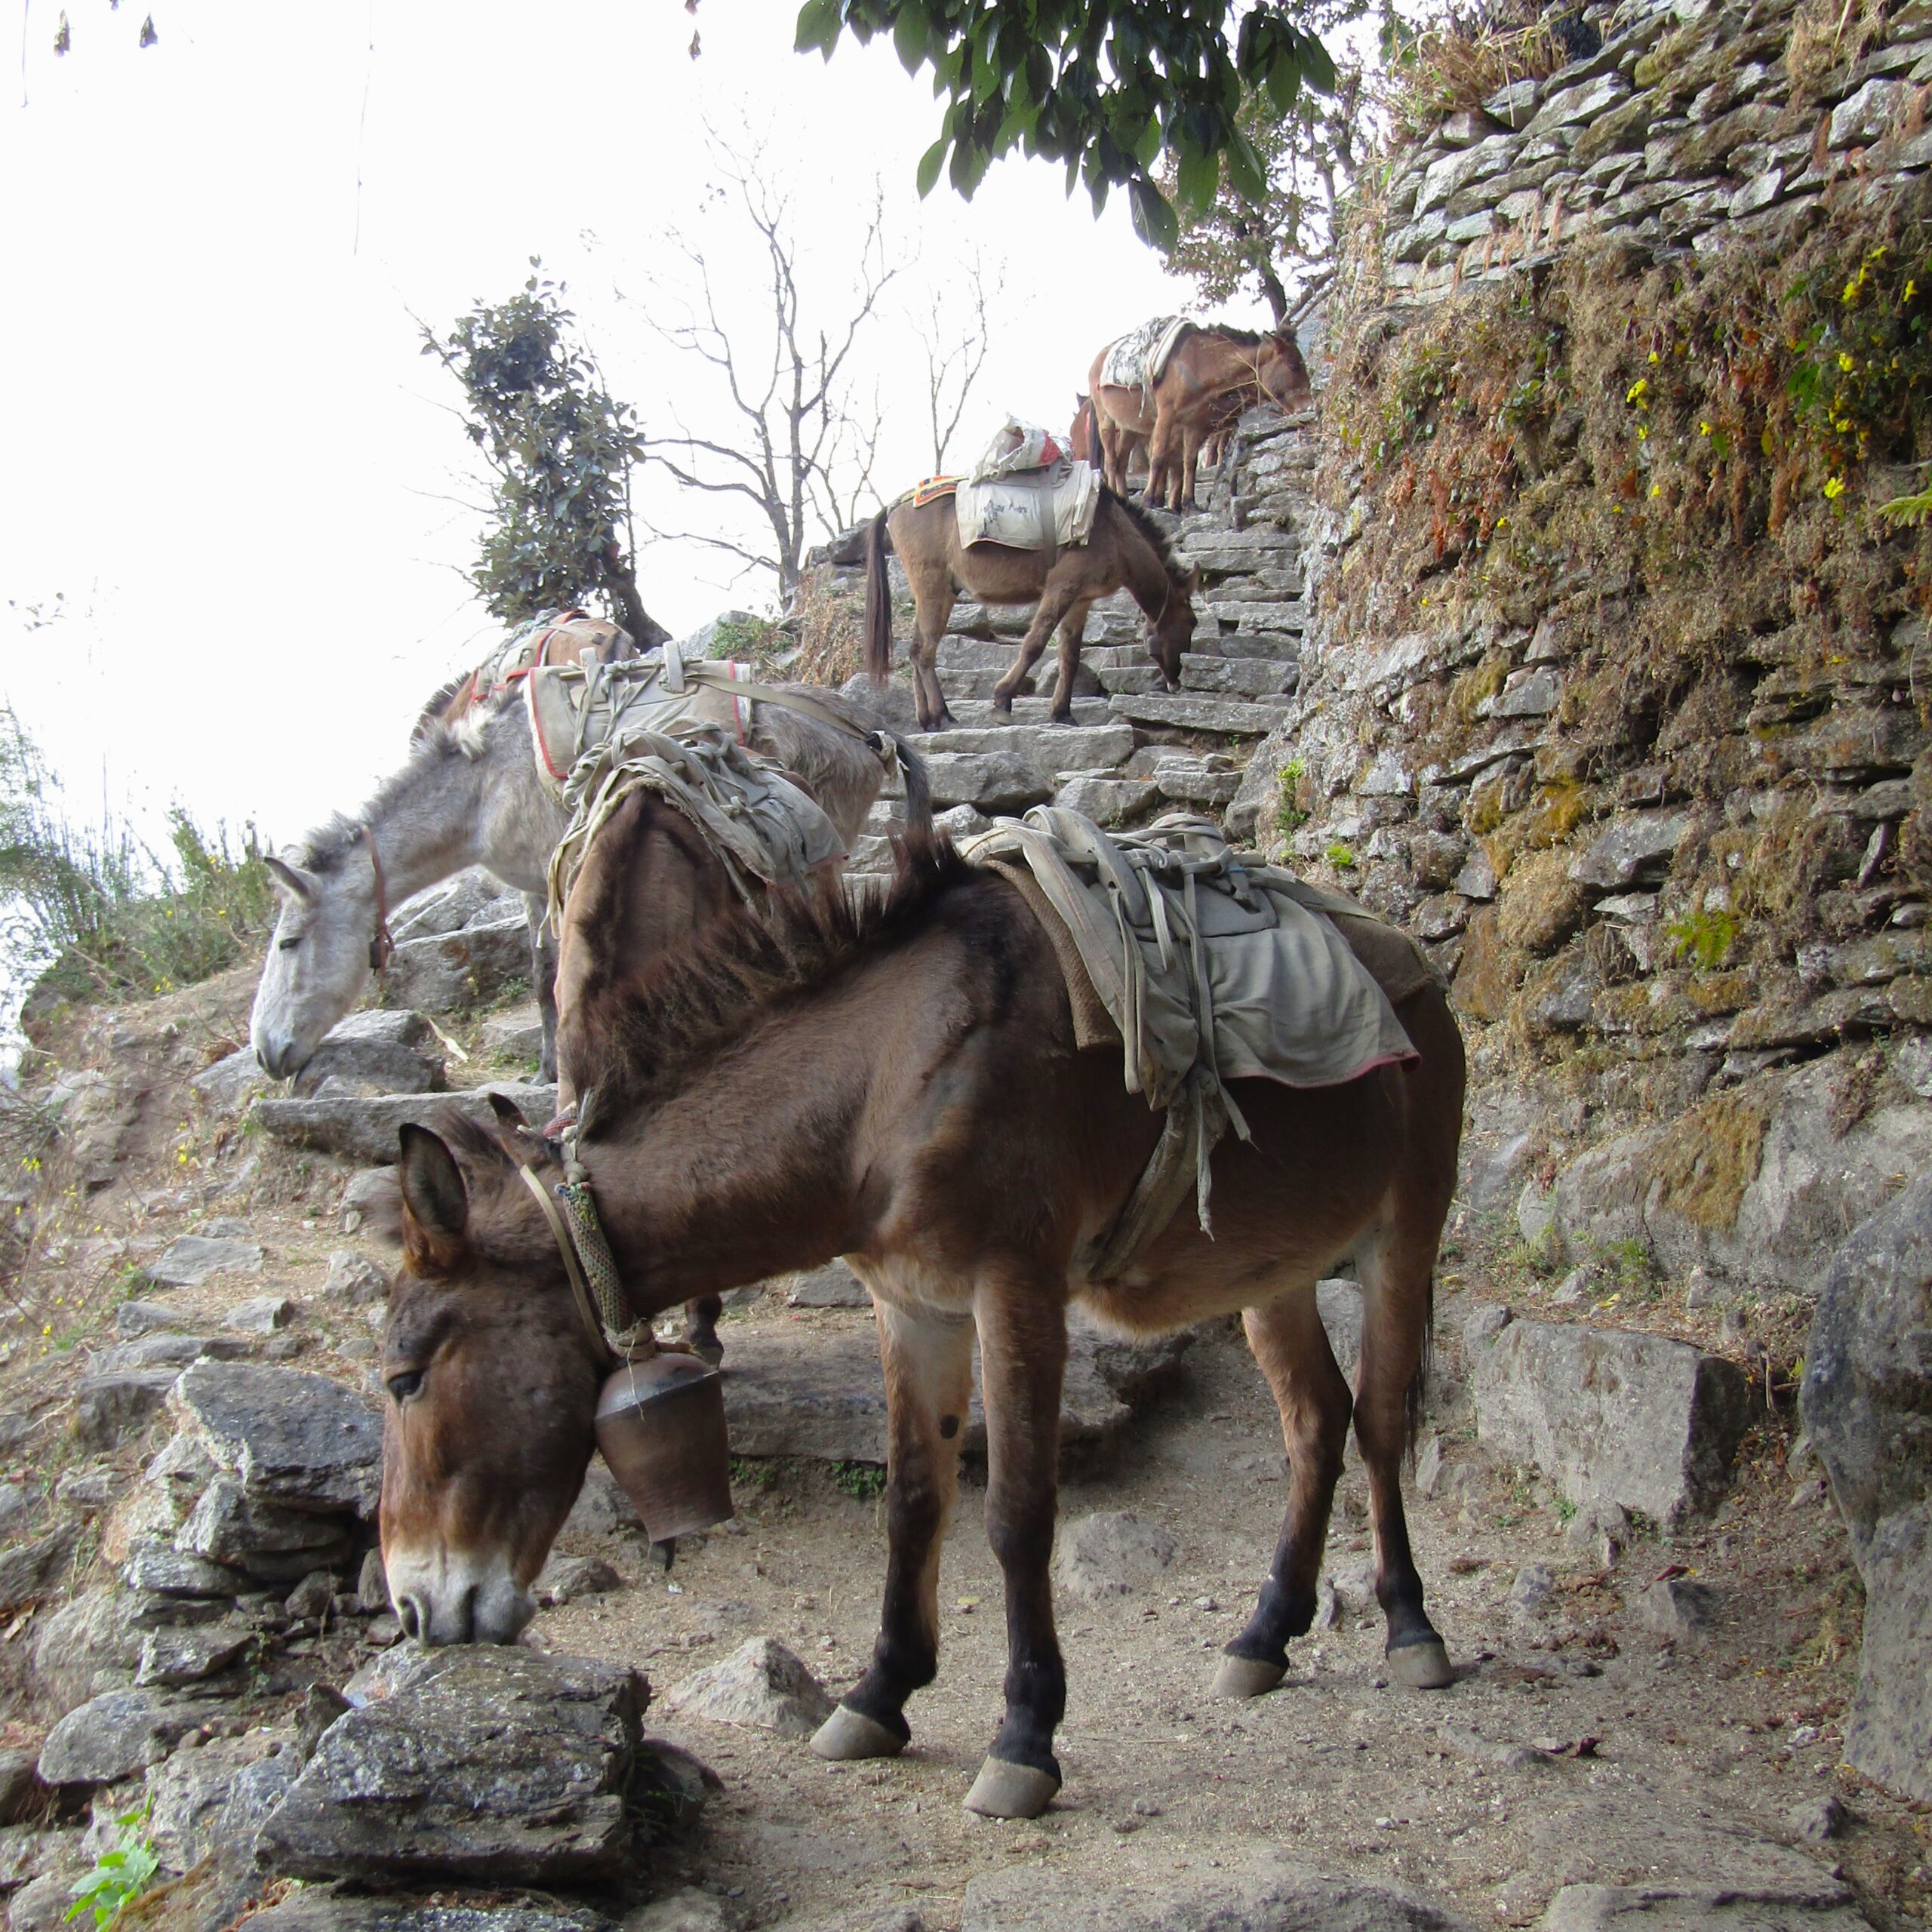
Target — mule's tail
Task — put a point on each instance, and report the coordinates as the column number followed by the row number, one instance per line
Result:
column 897, row 754
column 878, row 604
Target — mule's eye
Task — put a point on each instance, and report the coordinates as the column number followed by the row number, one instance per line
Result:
column 289, row 945
column 409, row 1383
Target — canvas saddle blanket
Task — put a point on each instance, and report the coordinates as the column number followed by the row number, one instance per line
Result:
column 1139, row 358
column 678, row 728
column 1203, row 966
column 555, row 637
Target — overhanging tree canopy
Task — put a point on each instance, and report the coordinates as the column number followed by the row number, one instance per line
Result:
column 1106, row 86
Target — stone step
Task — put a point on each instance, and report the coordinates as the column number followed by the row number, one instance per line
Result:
column 975, row 687
column 1257, row 614
column 1049, row 748
column 1275, row 587
column 978, row 712
column 1237, row 677
column 1195, row 711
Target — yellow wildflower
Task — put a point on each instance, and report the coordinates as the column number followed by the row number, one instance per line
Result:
column 1845, row 362
column 1833, row 488
column 1637, row 390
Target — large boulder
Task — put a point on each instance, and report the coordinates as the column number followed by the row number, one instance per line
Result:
column 1611, row 1415
column 213, row 1797
column 114, row 1735
column 190, row 1259
column 448, row 972
column 1867, row 1401
column 365, row 1128
column 321, row 1910
column 481, row 1763
column 383, row 1051
column 286, row 1437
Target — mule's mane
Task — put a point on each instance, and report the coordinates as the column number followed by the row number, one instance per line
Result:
column 431, row 745
column 1149, row 528
column 1250, row 338
column 647, row 1035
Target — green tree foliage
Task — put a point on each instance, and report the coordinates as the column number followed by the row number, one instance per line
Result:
column 1272, row 243
column 560, row 449
column 1107, row 87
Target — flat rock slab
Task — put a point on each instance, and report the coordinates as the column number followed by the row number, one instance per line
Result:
column 760, row 1686
column 286, row 1436
column 1256, row 1890
column 1655, row 1858
column 113, row 1737
column 1611, row 1415
column 366, row 1129
column 383, row 1051
column 481, row 1763
column 1109, row 1553
column 328, row 1912
column 818, row 1391
column 109, row 1408
column 190, row 1259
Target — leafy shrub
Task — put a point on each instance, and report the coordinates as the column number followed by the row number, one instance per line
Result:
column 92, row 910
column 119, row 1876
column 862, row 1481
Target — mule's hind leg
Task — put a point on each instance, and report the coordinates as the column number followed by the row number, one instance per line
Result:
column 933, row 597
column 701, row 1328
column 928, row 1361
column 543, row 976
column 1396, row 1296
column 1023, row 1360
column 1292, row 1347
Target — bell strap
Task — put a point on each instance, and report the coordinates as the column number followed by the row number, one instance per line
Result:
column 627, row 1345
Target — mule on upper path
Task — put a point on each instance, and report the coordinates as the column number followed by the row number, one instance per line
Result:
column 1210, row 376
column 900, row 1085
column 1125, row 549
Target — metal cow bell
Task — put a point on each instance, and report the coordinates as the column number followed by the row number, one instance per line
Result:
column 660, row 1424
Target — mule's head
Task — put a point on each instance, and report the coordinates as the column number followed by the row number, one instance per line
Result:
column 319, row 960
column 1284, row 374
column 492, row 1383
column 1171, row 630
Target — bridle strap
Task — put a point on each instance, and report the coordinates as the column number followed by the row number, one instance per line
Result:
column 382, row 946
column 580, row 1288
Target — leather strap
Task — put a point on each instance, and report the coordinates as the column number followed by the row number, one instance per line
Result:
column 382, row 946
column 572, row 1268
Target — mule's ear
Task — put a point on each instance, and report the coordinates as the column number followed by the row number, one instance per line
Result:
column 509, row 1116
column 298, row 884
column 436, row 1203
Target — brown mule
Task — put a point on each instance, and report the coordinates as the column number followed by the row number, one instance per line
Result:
column 1212, row 375
column 1125, row 549
column 900, row 1085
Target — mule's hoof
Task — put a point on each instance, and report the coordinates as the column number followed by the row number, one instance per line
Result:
column 712, row 1351
column 1423, row 1666
column 1011, row 1791
column 1247, row 1677
column 848, row 1734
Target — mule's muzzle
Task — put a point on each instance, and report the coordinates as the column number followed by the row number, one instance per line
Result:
column 443, row 1599
column 276, row 1056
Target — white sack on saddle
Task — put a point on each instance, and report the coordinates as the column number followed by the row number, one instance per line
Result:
column 1043, row 509
column 1017, row 447
column 1139, row 359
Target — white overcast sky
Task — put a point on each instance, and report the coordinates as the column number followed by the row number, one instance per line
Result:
column 217, row 436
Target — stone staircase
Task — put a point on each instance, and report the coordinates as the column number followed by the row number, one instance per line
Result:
column 1134, row 749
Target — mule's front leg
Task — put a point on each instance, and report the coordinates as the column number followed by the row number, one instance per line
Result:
column 1072, row 629
column 1022, row 1359
column 928, row 1361
column 1052, row 608
column 1292, row 1347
